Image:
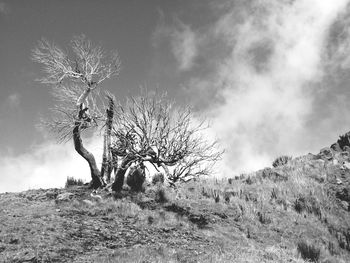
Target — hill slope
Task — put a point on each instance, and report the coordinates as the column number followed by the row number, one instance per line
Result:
column 297, row 210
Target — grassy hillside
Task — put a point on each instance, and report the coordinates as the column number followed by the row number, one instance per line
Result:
column 295, row 212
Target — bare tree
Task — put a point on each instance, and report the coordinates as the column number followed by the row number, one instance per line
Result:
column 152, row 129
column 75, row 80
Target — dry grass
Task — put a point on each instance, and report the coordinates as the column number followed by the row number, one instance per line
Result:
column 299, row 205
column 261, row 219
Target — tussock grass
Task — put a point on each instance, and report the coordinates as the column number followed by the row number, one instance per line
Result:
column 298, row 205
column 282, row 160
column 249, row 218
column 71, row 181
column 308, row 251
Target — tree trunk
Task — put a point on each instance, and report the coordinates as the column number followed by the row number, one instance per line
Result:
column 136, row 178
column 96, row 181
column 106, row 168
column 120, row 173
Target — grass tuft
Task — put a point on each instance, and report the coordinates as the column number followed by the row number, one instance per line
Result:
column 71, row 181
column 308, row 251
column 160, row 195
column 282, row 160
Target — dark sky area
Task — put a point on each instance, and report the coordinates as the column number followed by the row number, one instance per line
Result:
column 125, row 25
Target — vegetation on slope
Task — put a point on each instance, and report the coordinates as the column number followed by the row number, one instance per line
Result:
column 295, row 212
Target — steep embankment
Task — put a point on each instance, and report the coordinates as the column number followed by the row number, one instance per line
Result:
column 298, row 209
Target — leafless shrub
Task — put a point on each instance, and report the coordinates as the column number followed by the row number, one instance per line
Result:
column 152, row 129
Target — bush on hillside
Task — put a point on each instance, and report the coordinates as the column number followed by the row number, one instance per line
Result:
column 282, row 160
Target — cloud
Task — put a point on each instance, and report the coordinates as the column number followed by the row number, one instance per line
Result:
column 264, row 85
column 184, row 46
column 182, row 40
column 46, row 165
column 4, row 8
column 275, row 82
column 13, row 101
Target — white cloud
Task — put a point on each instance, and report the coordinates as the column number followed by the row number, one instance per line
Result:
column 266, row 82
column 184, row 46
column 47, row 165
column 182, row 39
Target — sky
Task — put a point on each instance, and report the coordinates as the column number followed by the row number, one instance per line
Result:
column 272, row 77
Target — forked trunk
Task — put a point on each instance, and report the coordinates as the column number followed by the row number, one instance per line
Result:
column 96, row 181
